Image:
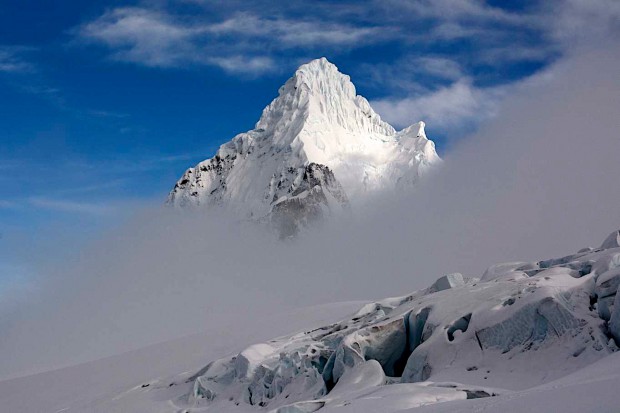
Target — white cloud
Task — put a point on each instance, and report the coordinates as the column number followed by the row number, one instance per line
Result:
column 577, row 21
column 143, row 36
column 437, row 66
column 4, row 204
column 71, row 206
column 456, row 109
column 410, row 74
column 298, row 33
column 12, row 61
column 242, row 64
column 461, row 10
column 561, row 27
column 238, row 44
column 516, row 53
column 446, row 108
column 106, row 114
column 453, row 30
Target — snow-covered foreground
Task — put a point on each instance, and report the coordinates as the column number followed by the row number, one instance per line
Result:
column 115, row 385
column 593, row 388
column 535, row 336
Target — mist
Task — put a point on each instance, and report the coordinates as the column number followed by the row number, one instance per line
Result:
column 539, row 180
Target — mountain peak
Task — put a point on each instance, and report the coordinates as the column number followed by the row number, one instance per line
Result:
column 319, row 69
column 320, row 76
column 319, row 64
column 316, row 146
column 318, row 94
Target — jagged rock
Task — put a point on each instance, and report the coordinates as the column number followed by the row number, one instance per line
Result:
column 309, row 202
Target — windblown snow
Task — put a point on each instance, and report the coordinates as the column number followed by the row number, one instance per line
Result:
column 317, row 147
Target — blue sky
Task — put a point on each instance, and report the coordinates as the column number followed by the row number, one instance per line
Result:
column 103, row 104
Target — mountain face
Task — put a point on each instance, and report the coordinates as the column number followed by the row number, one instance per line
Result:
column 520, row 325
column 317, row 148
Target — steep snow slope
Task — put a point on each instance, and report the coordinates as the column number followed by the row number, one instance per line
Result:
column 317, row 123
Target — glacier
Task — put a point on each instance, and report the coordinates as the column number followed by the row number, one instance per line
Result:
column 520, row 325
column 317, row 148
column 525, row 336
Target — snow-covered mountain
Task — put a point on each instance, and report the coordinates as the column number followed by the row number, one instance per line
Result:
column 317, row 148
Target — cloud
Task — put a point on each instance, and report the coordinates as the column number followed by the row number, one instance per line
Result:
column 448, row 108
column 105, row 114
column 258, row 37
column 143, row 36
column 63, row 205
column 158, row 38
column 5, row 204
column 243, row 64
column 298, row 33
column 101, row 188
column 446, row 21
column 575, row 22
column 458, row 108
column 94, row 188
column 461, row 10
column 448, row 31
column 541, row 34
column 437, row 66
column 517, row 53
column 412, row 75
column 12, row 60
column 134, row 165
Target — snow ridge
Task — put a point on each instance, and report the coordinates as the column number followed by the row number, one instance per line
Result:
column 317, row 119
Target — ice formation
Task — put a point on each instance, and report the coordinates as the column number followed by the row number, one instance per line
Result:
column 317, row 147
column 520, row 325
